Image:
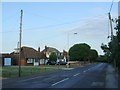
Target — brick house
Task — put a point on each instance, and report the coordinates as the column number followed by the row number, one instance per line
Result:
column 61, row 56
column 29, row 57
column 32, row 57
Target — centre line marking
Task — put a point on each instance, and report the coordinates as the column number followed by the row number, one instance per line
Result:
column 59, row 81
column 76, row 74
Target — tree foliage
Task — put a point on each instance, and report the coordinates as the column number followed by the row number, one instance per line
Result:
column 53, row 56
column 93, row 55
column 102, row 58
column 113, row 48
column 79, row 52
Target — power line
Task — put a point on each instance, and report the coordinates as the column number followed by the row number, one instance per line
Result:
column 111, row 6
column 60, row 24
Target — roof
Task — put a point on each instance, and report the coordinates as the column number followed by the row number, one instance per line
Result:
column 50, row 49
column 4, row 55
column 28, row 52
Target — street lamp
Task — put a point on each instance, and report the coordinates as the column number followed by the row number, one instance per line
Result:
column 75, row 33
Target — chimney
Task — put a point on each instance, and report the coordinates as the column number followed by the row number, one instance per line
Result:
column 45, row 48
column 38, row 49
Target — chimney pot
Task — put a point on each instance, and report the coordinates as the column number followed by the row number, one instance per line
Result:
column 38, row 49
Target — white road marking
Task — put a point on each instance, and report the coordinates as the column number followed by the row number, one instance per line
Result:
column 76, row 74
column 59, row 81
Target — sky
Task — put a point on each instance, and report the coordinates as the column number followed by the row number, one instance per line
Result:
column 54, row 24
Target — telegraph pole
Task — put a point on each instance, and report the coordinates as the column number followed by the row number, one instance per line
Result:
column 111, row 25
column 111, row 34
column 20, row 43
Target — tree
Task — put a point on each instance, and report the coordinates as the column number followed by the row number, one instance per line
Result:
column 102, row 58
column 93, row 55
column 79, row 52
column 53, row 57
column 114, row 45
column 113, row 49
column 117, row 43
column 106, row 50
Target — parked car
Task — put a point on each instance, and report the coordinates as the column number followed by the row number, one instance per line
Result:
column 51, row 63
column 62, row 63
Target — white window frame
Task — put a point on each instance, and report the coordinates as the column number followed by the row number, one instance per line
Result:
column 29, row 60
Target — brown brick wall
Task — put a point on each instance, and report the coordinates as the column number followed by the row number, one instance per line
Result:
column 23, row 62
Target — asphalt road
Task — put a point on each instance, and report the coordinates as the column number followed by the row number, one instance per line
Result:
column 90, row 76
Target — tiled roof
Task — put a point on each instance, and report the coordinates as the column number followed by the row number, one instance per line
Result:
column 50, row 49
column 29, row 52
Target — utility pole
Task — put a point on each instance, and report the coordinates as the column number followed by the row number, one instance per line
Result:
column 111, row 34
column 20, row 43
column 111, row 25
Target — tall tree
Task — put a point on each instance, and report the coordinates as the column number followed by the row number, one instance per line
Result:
column 113, row 48
column 93, row 55
column 117, row 54
column 79, row 52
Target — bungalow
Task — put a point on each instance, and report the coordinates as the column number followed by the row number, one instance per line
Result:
column 29, row 57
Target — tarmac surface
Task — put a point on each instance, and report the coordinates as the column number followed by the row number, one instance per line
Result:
column 97, row 75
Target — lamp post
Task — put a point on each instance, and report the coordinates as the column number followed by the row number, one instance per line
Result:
column 75, row 33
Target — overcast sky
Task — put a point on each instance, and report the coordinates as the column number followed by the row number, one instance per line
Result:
column 54, row 24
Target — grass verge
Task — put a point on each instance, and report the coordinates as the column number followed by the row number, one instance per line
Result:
column 12, row 71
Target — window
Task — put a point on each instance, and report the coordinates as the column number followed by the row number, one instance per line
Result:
column 7, row 61
column 29, row 60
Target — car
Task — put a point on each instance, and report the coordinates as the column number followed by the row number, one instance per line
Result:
column 51, row 63
column 62, row 63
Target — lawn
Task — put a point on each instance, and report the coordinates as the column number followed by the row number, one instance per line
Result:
column 12, row 71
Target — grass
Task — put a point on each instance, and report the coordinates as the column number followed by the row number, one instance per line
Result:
column 12, row 71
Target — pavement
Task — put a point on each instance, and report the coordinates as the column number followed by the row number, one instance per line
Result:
column 111, row 77
column 97, row 75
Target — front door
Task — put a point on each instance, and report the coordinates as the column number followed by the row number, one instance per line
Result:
column 36, row 63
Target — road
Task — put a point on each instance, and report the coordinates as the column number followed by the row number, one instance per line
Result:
column 90, row 76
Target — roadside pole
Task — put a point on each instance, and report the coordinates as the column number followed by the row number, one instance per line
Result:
column 109, row 15
column 20, row 43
